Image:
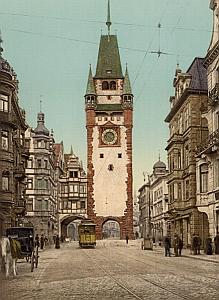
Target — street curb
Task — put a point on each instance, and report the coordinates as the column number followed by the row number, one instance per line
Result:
column 192, row 257
column 199, row 258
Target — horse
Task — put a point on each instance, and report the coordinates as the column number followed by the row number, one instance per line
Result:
column 9, row 248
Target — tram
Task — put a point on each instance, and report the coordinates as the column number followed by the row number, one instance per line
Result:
column 87, row 234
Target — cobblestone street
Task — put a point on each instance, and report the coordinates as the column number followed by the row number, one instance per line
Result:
column 114, row 270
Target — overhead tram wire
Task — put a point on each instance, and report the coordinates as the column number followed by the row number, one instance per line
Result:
column 70, row 39
column 101, row 22
column 146, row 53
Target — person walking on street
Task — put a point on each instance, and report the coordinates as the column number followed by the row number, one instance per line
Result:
column 42, row 240
column 127, row 239
column 195, row 244
column 176, row 244
column 57, row 243
column 208, row 247
column 199, row 242
column 216, row 243
column 37, row 240
column 167, row 246
column 180, row 246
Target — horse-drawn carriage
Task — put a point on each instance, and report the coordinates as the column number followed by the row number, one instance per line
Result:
column 22, row 239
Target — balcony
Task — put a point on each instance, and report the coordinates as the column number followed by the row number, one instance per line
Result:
column 214, row 96
column 175, row 138
column 210, row 145
column 19, row 207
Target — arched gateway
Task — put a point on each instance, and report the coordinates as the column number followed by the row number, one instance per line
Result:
column 69, row 224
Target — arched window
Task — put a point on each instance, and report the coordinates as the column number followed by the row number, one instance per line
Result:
column 203, row 178
column 113, row 85
column 105, row 85
column 5, row 181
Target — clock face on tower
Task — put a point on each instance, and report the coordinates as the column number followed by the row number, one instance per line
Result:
column 109, row 137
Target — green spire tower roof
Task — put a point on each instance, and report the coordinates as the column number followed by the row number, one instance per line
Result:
column 90, row 84
column 108, row 63
column 127, row 85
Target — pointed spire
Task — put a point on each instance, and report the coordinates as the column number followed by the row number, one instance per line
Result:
column 71, row 151
column 108, row 22
column 1, row 49
column 90, row 84
column 127, row 85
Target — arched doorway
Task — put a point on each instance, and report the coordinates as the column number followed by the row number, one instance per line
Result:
column 69, row 226
column 111, row 230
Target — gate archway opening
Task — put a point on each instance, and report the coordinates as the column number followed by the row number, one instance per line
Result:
column 69, row 227
column 111, row 230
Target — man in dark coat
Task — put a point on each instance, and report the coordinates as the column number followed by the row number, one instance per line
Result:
column 195, row 244
column 176, row 244
column 167, row 246
column 180, row 246
column 216, row 243
column 208, row 246
column 199, row 242
column 42, row 240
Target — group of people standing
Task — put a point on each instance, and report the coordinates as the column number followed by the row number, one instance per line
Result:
column 177, row 245
column 42, row 241
column 196, row 245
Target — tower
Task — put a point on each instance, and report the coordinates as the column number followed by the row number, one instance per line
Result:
column 109, row 122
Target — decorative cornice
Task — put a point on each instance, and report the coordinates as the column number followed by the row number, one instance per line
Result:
column 211, row 55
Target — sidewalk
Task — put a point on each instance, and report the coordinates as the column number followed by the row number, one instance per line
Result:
column 187, row 253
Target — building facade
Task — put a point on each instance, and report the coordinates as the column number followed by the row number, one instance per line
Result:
column 109, row 122
column 159, row 201
column 186, row 132
column 13, row 154
column 208, row 149
column 73, row 194
column 41, row 188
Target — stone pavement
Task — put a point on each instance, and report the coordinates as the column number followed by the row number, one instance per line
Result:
column 114, row 270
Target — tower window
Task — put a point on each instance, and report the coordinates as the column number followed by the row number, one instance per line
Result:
column 110, row 167
column 101, row 155
column 113, row 85
column 105, row 85
column 119, row 155
column 109, row 97
column 99, row 118
column 105, row 119
column 71, row 174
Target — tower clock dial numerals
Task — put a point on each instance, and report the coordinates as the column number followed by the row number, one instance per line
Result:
column 109, row 137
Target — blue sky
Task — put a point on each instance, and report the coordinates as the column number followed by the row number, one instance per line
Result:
column 51, row 43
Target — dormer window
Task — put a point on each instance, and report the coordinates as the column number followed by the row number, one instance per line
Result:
column 109, row 71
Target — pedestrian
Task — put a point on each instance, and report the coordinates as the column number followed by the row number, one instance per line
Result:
column 42, row 240
column 216, row 243
column 37, row 240
column 127, row 239
column 57, row 243
column 208, row 246
column 199, row 242
column 54, row 239
column 180, row 246
column 176, row 244
column 167, row 246
column 195, row 244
